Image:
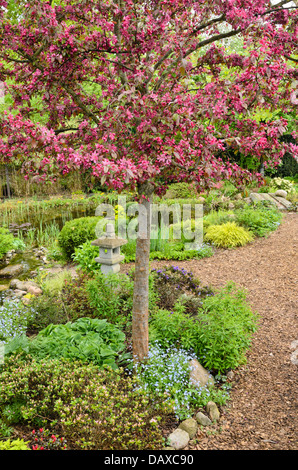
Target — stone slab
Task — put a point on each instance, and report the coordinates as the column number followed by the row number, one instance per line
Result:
column 115, row 260
column 109, row 242
column 280, row 202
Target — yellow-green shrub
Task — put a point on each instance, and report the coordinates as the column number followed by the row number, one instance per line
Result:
column 228, row 235
column 17, row 444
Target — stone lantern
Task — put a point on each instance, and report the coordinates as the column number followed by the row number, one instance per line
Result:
column 109, row 251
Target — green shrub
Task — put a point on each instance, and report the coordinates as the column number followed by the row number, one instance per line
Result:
column 5, row 430
column 181, row 191
column 15, row 444
column 6, row 241
column 19, row 244
column 113, row 299
column 92, row 408
column 87, row 295
column 259, row 220
column 129, row 251
column 227, row 324
column 84, row 256
column 47, row 308
column 75, row 299
column 76, row 232
column 174, row 328
column 53, row 284
column 89, row 340
column 228, row 235
column 104, row 296
column 219, row 334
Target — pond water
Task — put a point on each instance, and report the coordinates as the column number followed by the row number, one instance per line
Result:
column 28, row 261
column 53, row 216
column 57, row 216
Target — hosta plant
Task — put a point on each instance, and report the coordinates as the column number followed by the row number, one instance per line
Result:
column 89, row 340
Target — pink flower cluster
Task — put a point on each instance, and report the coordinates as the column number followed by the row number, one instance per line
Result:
column 133, row 92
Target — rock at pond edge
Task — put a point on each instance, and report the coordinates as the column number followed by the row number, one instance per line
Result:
column 11, row 271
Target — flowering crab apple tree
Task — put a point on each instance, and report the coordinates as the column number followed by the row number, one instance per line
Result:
column 136, row 94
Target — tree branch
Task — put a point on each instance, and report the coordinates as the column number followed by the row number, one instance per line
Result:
column 209, row 23
column 10, row 59
column 66, row 129
column 74, row 96
column 277, row 6
column 201, row 44
column 291, row 58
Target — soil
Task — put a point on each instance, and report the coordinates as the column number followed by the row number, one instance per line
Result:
column 262, row 410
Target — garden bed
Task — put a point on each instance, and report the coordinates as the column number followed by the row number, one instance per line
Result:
column 262, row 412
column 188, row 296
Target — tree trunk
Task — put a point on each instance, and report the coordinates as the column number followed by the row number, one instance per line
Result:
column 140, row 328
column 7, row 181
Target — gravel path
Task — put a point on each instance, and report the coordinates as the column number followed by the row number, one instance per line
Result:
column 262, row 413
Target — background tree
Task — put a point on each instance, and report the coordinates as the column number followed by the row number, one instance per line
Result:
column 136, row 93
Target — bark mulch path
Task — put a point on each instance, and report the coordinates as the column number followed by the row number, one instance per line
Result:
column 262, row 412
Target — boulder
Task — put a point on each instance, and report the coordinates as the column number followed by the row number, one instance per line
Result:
column 294, row 355
column 17, row 284
column 281, row 193
column 13, row 283
column 33, row 290
column 19, row 293
column 203, row 419
column 30, row 287
column 11, row 270
column 190, row 426
column 199, row 376
column 9, row 255
column 178, row 439
column 213, row 411
column 3, row 287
